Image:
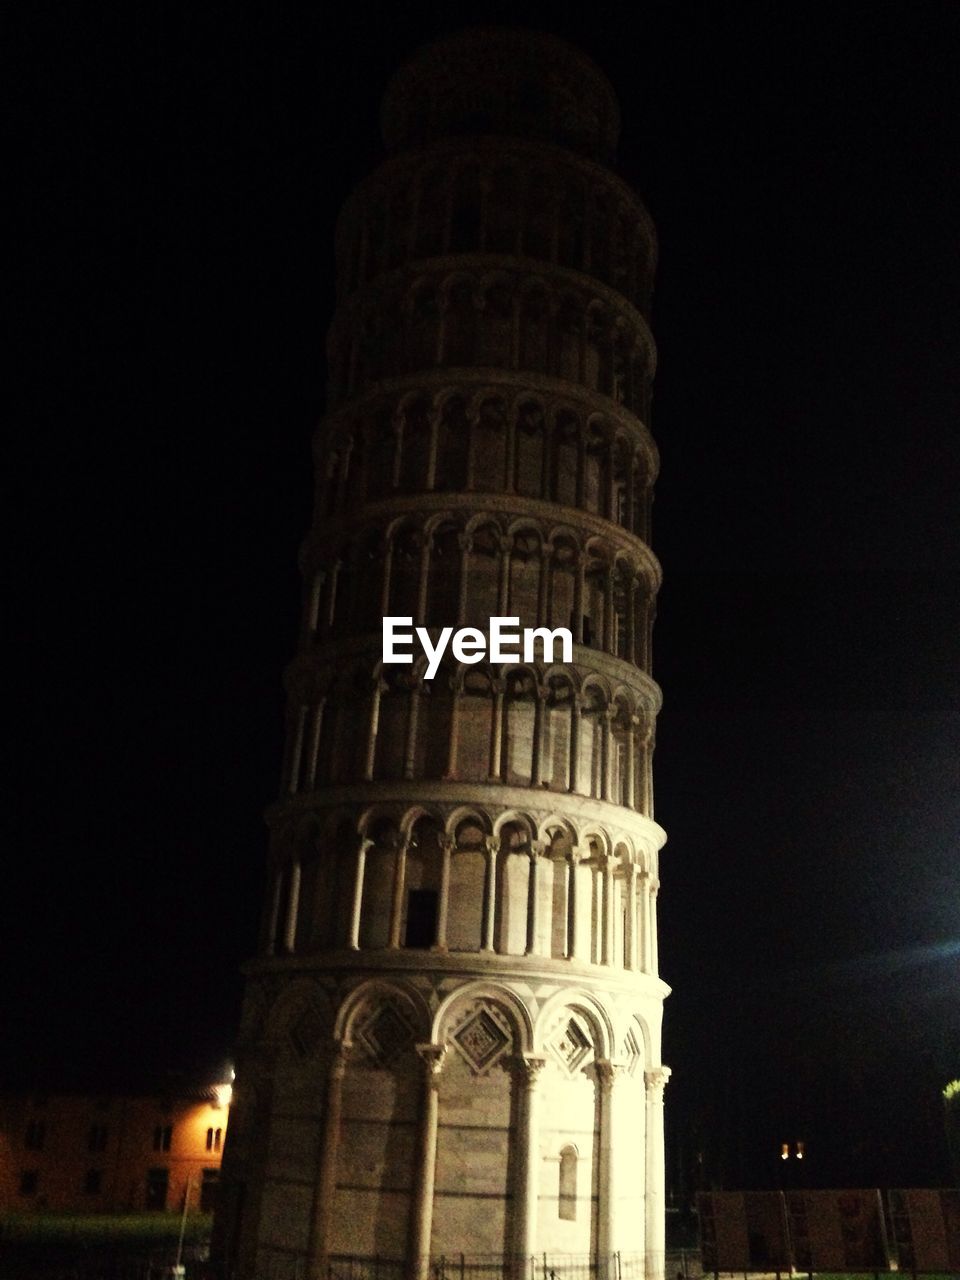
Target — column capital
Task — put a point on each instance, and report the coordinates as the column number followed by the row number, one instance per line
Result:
column 531, row 1067
column 340, row 1058
column 491, row 845
column 656, row 1081
column 537, row 850
column 608, row 1072
column 447, row 843
column 432, row 1056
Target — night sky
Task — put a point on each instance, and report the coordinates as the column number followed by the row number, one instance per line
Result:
column 171, row 288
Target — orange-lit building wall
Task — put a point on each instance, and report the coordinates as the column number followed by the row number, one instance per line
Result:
column 109, row 1154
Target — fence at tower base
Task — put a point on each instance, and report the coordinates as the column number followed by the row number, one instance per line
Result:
column 839, row 1231
column 498, row 1266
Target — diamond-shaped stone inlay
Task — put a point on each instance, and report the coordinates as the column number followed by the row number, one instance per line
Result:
column 385, row 1035
column 307, row 1033
column 481, row 1040
column 571, row 1045
column 631, row 1051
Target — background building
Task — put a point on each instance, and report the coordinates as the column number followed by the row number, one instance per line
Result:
column 451, row 1036
column 110, row 1154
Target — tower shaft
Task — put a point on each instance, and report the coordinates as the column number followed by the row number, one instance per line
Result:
column 451, row 1035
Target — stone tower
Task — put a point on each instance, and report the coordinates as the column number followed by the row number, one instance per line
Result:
column 450, row 1042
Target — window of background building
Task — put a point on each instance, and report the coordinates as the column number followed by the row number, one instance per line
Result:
column 208, row 1190
column 29, row 1181
column 157, row 1184
column 97, row 1138
column 162, row 1137
column 214, row 1139
column 93, row 1182
column 36, row 1135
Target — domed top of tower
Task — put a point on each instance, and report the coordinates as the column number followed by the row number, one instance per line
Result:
column 502, row 81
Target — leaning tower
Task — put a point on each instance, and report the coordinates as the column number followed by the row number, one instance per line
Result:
column 450, row 1045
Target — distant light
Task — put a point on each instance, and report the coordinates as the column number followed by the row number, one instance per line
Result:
column 785, row 1151
column 799, row 1150
column 224, row 1092
column 951, row 1089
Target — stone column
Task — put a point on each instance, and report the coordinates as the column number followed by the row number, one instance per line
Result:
column 357, row 905
column 273, row 920
column 313, row 746
column 539, row 736
column 655, row 1081
column 446, row 854
column 293, row 905
column 654, row 948
column 503, row 593
column 423, row 581
column 644, row 915
column 432, row 455
column 578, row 588
column 492, row 845
column 545, row 602
column 536, row 848
column 498, row 688
column 630, row 799
column 606, row 752
column 410, row 749
column 297, row 750
column 576, row 708
column 321, row 1219
column 421, row 1209
column 573, row 861
column 399, row 881
column 607, row 1073
column 606, row 917
column 466, row 545
column 630, row 941
column 370, row 761
column 528, row 1158
column 456, row 693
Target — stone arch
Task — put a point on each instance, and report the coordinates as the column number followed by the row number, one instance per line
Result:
column 529, row 447
column 520, row 715
column 372, row 991
column 526, row 567
column 461, row 307
column 594, row 1013
column 515, row 834
column 558, row 728
column 476, row 709
column 557, row 871
column 468, row 814
column 300, row 1022
column 485, row 541
column 495, row 328
column 444, row 573
column 489, row 424
column 479, row 990
column 454, row 431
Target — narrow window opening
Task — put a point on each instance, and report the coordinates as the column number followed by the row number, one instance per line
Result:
column 568, row 1184
column 421, row 918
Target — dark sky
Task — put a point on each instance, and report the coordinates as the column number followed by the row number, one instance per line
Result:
column 173, row 259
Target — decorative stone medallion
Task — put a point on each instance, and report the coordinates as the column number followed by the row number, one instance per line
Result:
column 632, row 1053
column 570, row 1045
column 482, row 1038
column 385, row 1035
column 307, row 1032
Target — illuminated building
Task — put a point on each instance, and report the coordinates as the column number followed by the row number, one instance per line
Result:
column 451, row 1036
column 110, row 1154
